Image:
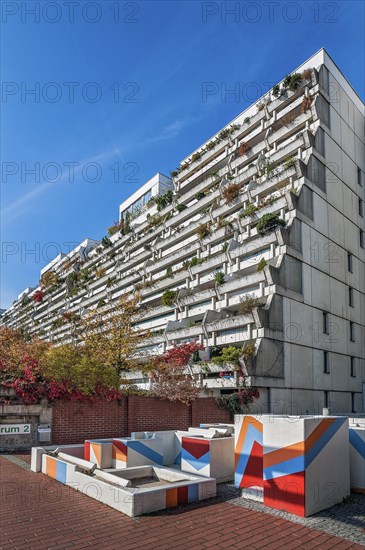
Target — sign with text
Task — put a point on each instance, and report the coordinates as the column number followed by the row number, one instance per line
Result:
column 16, row 429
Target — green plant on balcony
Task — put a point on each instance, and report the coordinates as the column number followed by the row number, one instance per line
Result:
column 230, row 192
column 194, row 261
column 219, row 278
column 234, row 128
column 247, row 303
column 224, row 247
column 247, row 120
column 269, row 222
column 249, row 211
column 292, row 81
column 229, row 354
column 271, row 168
column 213, row 173
column 276, row 90
column 210, row 145
column 180, row 207
column 25, row 301
column 114, row 228
column 224, row 133
column 169, row 297
column 199, row 196
column 101, row 303
column 262, row 263
column 57, row 323
column 203, row 230
column 306, row 74
column 164, row 200
column 174, row 173
column 106, row 242
column 111, row 281
column 289, row 163
column 249, row 348
column 169, row 271
column 196, row 156
column 155, row 221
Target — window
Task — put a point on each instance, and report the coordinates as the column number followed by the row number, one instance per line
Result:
column 351, row 296
column 326, row 364
column 349, row 262
column 361, row 213
column 359, row 178
column 352, row 331
column 326, row 400
column 361, row 238
column 352, row 366
column 353, row 410
column 325, row 322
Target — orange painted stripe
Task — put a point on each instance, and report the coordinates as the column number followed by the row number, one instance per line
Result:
column 297, row 449
column 318, row 432
column 118, row 454
column 171, row 498
column 97, row 452
column 283, row 454
column 247, row 421
column 51, row 467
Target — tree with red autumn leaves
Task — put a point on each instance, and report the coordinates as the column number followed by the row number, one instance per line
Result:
column 171, row 377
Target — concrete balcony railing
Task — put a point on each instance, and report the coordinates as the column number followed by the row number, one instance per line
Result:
column 174, row 333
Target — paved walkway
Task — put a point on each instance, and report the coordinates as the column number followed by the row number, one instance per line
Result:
column 37, row 512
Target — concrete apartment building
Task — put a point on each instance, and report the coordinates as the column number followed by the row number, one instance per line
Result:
column 271, row 207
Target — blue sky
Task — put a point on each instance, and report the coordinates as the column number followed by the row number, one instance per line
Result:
column 156, row 56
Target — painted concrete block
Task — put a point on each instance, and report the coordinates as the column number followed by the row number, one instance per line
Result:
column 357, row 457
column 287, row 462
column 99, row 451
column 128, row 453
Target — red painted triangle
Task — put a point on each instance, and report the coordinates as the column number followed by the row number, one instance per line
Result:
column 196, row 447
column 253, row 475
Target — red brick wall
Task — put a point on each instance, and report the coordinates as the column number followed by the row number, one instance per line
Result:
column 74, row 422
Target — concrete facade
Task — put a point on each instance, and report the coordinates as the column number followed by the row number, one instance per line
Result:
column 298, row 154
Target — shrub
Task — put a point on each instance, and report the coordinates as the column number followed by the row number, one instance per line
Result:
column 261, row 264
column 169, row 298
column 231, row 192
column 169, row 272
column 219, row 278
column 224, row 133
column 292, row 81
column 106, row 242
column 164, row 200
column 210, row 145
column 247, row 120
column 248, row 303
column 238, row 402
column 250, row 210
column 196, row 157
column 174, row 173
column 200, row 195
column 276, row 90
column 203, row 230
column 289, row 163
column 181, row 207
column 229, row 354
column 268, row 223
column 195, row 261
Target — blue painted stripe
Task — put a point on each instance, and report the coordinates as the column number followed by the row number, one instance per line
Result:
column 145, row 451
column 357, row 442
column 291, row 466
column 197, row 463
column 61, row 469
column 178, row 458
column 252, row 435
column 323, row 440
column 193, row 493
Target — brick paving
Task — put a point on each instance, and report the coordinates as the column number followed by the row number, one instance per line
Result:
column 37, row 512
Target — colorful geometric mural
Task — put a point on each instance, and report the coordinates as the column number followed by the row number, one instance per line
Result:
column 127, row 453
column 195, row 455
column 357, row 458
column 282, row 457
column 55, row 468
column 248, row 454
